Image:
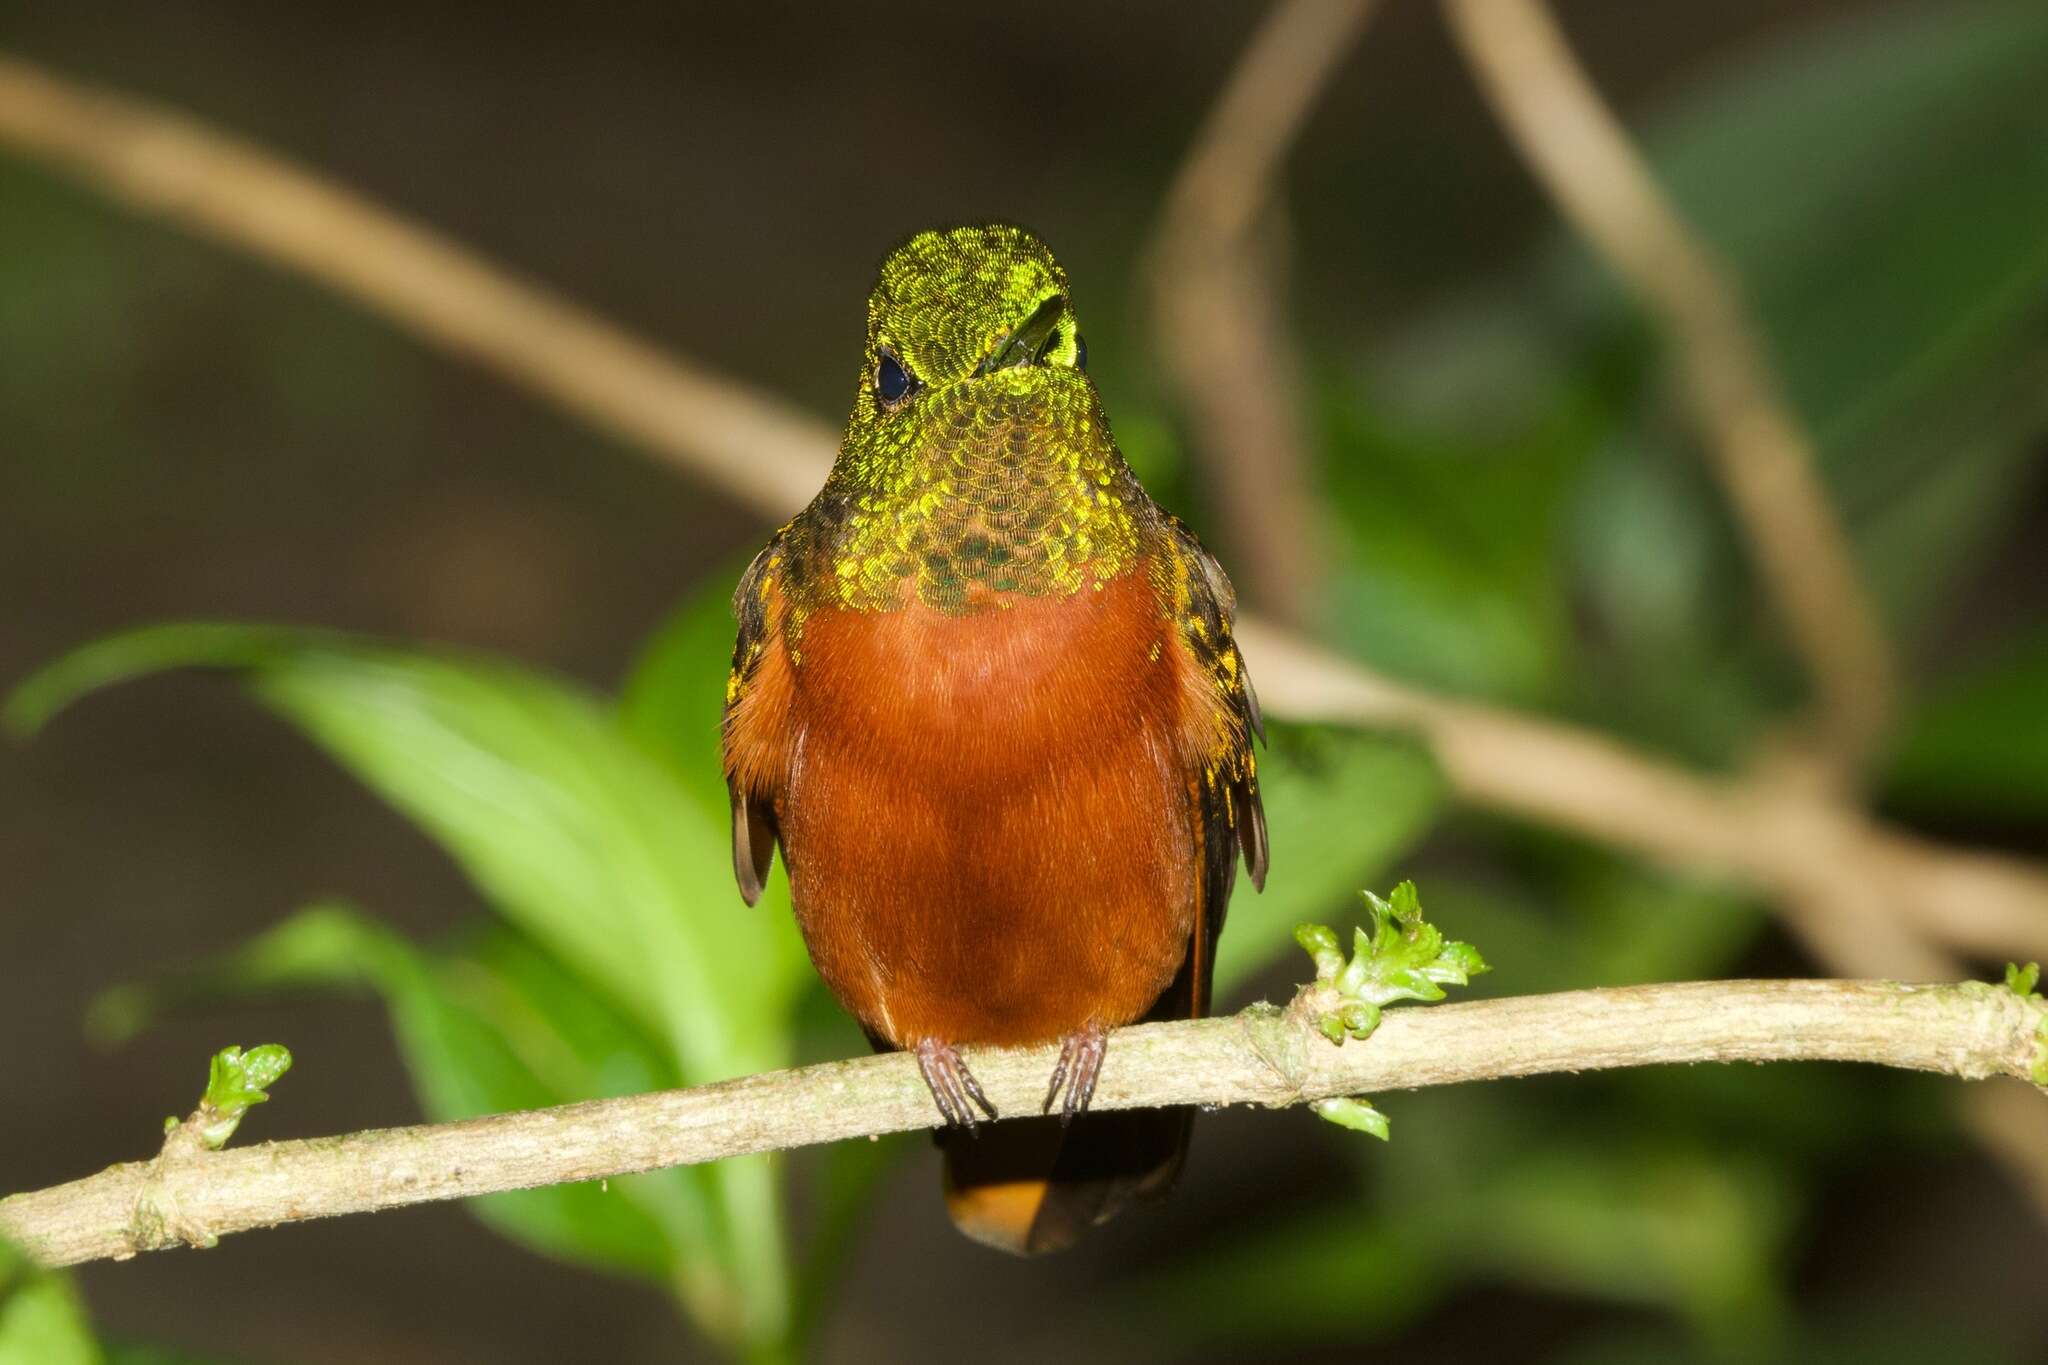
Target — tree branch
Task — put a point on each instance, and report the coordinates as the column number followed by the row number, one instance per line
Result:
column 1574, row 145
column 1263, row 1056
column 1214, row 270
column 756, row 448
column 1782, row 837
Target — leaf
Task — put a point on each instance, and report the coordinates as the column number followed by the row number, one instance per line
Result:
column 42, row 1320
column 565, row 824
column 151, row 649
column 1356, row 1113
column 1340, row 807
column 576, row 835
column 237, row 1080
column 492, row 1027
column 674, row 695
column 1404, row 957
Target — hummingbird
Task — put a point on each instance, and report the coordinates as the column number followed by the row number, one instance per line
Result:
column 986, row 699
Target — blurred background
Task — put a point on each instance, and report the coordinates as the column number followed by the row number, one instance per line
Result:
column 1469, row 458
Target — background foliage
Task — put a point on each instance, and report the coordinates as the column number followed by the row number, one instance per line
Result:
column 1520, row 517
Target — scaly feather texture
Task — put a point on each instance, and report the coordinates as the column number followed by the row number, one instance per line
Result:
column 986, row 700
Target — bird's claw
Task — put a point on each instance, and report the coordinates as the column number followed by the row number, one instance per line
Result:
column 953, row 1086
column 1079, row 1065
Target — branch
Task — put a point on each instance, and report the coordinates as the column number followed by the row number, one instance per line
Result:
column 1263, row 1056
column 1782, row 837
column 755, row 447
column 1761, row 452
column 1213, row 271
column 1776, row 836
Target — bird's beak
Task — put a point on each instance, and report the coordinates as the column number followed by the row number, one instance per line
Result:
column 1028, row 344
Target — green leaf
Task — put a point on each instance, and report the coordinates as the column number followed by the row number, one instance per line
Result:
column 151, row 649
column 1340, row 808
column 1356, row 1113
column 567, row 826
column 42, row 1320
column 235, row 1081
column 492, row 1027
column 576, row 835
column 1403, row 958
column 674, row 695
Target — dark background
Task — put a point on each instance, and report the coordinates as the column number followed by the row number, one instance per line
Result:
column 184, row 432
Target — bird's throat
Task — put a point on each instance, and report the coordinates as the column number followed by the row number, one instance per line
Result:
column 1008, row 491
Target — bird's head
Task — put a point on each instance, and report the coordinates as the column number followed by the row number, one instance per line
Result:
column 977, row 459
column 963, row 306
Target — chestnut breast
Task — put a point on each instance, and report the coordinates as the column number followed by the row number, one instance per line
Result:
column 988, row 816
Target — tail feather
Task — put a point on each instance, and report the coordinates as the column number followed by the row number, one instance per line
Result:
column 1029, row 1186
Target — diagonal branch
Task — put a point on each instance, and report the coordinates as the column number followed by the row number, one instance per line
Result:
column 771, row 457
column 1263, row 1056
column 1213, row 273
column 1858, row 903
column 753, row 446
column 1760, row 450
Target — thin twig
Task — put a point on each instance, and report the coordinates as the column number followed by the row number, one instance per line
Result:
column 1263, row 1056
column 1760, row 450
column 1214, row 275
column 1548, row 773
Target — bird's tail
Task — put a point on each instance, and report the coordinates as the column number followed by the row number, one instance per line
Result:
column 1029, row 1186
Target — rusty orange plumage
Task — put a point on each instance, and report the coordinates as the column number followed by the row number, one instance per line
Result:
column 986, row 700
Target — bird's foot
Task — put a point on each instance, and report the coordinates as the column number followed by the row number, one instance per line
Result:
column 953, row 1086
column 1080, row 1063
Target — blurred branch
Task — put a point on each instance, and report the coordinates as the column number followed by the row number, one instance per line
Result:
column 1784, row 837
column 1263, row 1056
column 1760, row 450
column 755, row 447
column 1214, row 272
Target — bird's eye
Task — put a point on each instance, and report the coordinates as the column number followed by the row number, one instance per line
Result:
column 1080, row 351
column 893, row 383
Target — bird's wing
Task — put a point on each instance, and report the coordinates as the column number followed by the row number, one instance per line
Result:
column 1233, row 820
column 757, row 602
